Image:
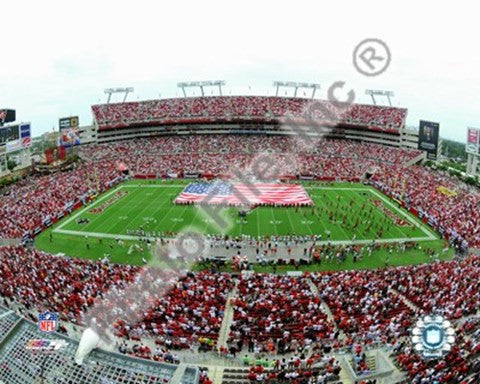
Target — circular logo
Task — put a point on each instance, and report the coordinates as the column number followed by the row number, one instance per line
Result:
column 433, row 336
column 371, row 57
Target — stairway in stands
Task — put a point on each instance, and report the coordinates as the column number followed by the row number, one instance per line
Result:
column 227, row 319
column 325, row 308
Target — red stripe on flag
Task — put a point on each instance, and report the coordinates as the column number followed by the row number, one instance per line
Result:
column 253, row 194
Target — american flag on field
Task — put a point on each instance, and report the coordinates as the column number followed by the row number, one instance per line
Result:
column 225, row 193
column 25, row 135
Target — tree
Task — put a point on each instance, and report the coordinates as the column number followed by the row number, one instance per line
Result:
column 454, row 150
column 11, row 164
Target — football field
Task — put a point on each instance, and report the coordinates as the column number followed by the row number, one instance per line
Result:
column 342, row 213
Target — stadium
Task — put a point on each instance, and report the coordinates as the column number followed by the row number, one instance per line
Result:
column 204, row 240
column 239, row 193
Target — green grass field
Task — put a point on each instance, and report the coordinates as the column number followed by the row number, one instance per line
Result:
column 342, row 211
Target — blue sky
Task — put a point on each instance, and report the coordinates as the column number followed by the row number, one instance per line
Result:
column 59, row 56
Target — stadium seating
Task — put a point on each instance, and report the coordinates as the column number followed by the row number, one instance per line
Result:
column 56, row 195
column 363, row 307
column 360, row 301
column 69, row 286
column 240, row 108
column 215, row 144
column 455, row 214
column 27, row 204
column 298, row 369
column 269, row 310
column 433, row 286
column 220, row 155
column 273, row 313
column 190, row 308
column 44, row 282
column 278, row 313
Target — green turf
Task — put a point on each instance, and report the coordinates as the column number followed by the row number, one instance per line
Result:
column 376, row 260
column 149, row 205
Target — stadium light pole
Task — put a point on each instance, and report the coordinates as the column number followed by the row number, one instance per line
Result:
column 125, row 90
column 372, row 93
column 202, row 85
column 296, row 86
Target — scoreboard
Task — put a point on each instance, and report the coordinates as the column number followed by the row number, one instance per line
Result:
column 69, row 131
column 473, row 141
column 67, row 123
column 10, row 133
column 15, row 137
column 428, row 135
column 7, row 116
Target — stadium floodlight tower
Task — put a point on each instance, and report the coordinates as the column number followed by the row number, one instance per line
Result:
column 201, row 85
column 296, row 86
column 110, row 91
column 372, row 93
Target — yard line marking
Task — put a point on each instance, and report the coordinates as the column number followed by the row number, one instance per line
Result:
column 404, row 214
column 339, row 226
column 192, row 223
column 105, row 216
column 423, row 227
column 85, row 207
column 274, row 222
column 291, row 224
column 134, row 208
column 166, row 214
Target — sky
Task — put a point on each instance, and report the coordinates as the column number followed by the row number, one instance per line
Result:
column 59, row 56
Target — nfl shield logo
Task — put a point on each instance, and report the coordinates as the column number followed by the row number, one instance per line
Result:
column 433, row 336
column 48, row 322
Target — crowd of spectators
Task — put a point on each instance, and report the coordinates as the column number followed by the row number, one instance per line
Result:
column 222, row 155
column 452, row 290
column 243, row 108
column 25, row 205
column 268, row 309
column 177, row 310
column 273, row 314
column 446, row 202
column 246, row 144
column 362, row 305
column 174, row 309
column 41, row 281
column 461, row 365
column 277, row 314
column 298, row 369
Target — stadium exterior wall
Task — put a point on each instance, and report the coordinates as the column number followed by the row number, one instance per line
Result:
column 88, row 134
